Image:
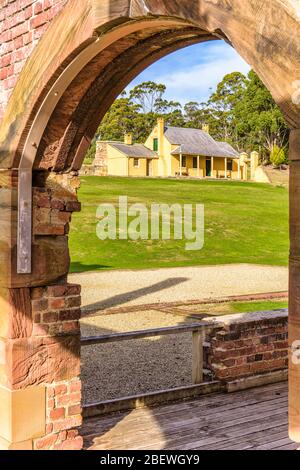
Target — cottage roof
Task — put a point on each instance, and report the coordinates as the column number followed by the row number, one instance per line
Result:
column 135, row 150
column 197, row 142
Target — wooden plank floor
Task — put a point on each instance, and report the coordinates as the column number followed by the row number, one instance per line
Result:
column 254, row 419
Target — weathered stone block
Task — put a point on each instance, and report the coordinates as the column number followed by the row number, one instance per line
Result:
column 19, row 420
column 73, row 206
column 61, row 290
column 50, row 261
column 49, row 229
column 15, row 313
column 37, row 360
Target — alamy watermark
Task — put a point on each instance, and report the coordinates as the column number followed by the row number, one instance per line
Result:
column 159, row 222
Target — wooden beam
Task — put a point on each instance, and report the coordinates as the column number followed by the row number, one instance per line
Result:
column 131, row 335
column 294, row 288
column 255, row 381
column 197, row 366
column 151, row 399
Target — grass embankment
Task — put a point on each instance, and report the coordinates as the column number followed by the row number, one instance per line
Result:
column 244, row 223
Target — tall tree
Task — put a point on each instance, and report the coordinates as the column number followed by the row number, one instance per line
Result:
column 222, row 103
column 198, row 114
column 241, row 111
column 127, row 114
column 259, row 121
column 147, row 96
column 118, row 120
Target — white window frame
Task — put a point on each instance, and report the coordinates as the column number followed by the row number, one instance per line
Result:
column 138, row 163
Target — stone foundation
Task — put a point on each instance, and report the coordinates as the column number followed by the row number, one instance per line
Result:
column 91, row 170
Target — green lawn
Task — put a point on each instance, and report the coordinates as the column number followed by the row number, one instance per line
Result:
column 229, row 308
column 244, row 223
column 258, row 306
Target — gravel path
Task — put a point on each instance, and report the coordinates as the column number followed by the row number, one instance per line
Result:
column 134, row 367
column 108, row 289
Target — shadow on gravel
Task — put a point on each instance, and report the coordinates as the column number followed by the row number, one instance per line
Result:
column 121, row 299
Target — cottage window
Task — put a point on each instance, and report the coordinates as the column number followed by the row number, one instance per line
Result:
column 230, row 165
column 195, row 163
column 136, row 162
column 155, row 145
column 184, row 162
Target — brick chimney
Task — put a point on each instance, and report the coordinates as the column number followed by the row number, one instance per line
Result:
column 128, row 139
column 101, row 159
column 161, row 126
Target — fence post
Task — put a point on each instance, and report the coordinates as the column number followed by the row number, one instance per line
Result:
column 198, row 339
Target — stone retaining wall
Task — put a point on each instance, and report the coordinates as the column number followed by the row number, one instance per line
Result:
column 90, row 170
column 248, row 344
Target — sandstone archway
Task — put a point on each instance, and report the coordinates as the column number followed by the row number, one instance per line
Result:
column 90, row 51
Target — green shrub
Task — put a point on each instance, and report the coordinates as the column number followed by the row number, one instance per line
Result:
column 277, row 156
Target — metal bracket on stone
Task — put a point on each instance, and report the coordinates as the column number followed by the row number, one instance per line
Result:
column 24, row 221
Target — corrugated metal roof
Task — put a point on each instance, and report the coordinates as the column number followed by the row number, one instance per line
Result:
column 135, row 150
column 226, row 146
column 197, row 142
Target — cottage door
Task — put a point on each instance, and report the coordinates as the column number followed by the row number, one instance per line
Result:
column 208, row 167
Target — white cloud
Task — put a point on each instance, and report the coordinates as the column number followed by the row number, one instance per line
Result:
column 195, row 82
column 192, row 73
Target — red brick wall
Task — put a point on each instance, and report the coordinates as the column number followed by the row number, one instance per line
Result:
column 52, row 211
column 56, row 314
column 63, row 417
column 22, row 23
column 249, row 344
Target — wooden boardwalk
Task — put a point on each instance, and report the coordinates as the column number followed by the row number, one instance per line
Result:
column 254, row 419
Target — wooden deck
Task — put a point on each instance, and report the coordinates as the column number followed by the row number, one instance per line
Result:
column 254, row 419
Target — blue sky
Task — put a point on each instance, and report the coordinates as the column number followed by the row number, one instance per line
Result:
column 192, row 72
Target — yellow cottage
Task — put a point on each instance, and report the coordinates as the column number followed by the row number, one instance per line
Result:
column 193, row 152
column 124, row 158
column 173, row 152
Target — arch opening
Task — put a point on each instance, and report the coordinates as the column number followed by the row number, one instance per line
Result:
column 48, row 123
